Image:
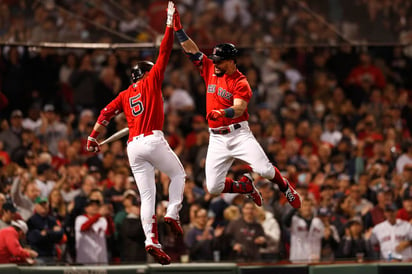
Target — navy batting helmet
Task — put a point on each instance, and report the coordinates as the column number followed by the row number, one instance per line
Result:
column 139, row 70
column 224, row 51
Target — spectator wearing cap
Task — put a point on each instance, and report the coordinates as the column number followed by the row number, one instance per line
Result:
column 51, row 129
column 9, row 211
column 11, row 250
column 24, row 201
column 331, row 239
column 90, row 231
column 11, row 137
column 354, row 242
column 394, row 236
column 376, row 215
column 405, row 213
column 44, row 179
column 44, row 232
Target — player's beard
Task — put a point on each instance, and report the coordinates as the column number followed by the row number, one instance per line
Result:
column 219, row 72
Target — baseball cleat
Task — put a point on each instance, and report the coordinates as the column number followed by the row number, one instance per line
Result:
column 292, row 195
column 158, row 254
column 174, row 226
column 255, row 194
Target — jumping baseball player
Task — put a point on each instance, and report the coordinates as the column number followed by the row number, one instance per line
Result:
column 147, row 148
column 228, row 94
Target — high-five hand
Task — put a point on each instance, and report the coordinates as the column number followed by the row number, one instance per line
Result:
column 170, row 12
column 177, row 25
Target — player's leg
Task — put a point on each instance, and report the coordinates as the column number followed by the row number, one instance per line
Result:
column 218, row 162
column 143, row 173
column 167, row 161
column 247, row 148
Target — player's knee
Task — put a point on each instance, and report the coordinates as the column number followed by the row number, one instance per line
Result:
column 214, row 189
column 267, row 171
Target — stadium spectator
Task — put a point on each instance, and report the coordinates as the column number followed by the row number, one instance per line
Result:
column 24, row 200
column 393, row 236
column 354, row 242
column 132, row 236
column 306, row 233
column 199, row 239
column 269, row 252
column 8, row 213
column 90, row 234
column 376, row 215
column 10, row 249
column 245, row 235
column 11, row 137
column 44, row 232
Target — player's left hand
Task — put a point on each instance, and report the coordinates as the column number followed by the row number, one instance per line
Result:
column 92, row 144
column 170, row 13
column 215, row 114
column 177, row 25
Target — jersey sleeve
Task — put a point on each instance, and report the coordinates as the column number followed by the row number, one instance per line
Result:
column 242, row 90
column 206, row 67
column 159, row 67
column 112, row 109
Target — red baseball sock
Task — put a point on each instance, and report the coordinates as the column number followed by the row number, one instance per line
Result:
column 278, row 179
column 240, row 186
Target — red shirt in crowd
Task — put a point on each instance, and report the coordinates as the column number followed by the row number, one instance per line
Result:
column 10, row 249
column 403, row 215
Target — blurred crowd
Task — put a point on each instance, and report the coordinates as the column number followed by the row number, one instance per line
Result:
column 336, row 121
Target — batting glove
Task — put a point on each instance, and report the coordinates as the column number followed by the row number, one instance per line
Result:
column 92, row 144
column 177, row 25
column 215, row 114
column 170, row 12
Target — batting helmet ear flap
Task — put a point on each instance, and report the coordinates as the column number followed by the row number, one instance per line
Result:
column 140, row 69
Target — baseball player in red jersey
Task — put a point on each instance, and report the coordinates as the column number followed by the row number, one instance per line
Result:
column 227, row 97
column 147, row 149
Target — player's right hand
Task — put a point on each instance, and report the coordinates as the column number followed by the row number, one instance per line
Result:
column 215, row 114
column 170, row 13
column 92, row 144
column 177, row 25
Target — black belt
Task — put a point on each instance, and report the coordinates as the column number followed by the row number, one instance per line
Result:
column 225, row 130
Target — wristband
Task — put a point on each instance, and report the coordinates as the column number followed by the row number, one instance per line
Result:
column 94, row 134
column 229, row 112
column 181, row 36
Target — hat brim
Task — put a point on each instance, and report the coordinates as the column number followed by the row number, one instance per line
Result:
column 216, row 58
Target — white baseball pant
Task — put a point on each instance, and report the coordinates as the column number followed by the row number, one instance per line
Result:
column 145, row 154
column 225, row 148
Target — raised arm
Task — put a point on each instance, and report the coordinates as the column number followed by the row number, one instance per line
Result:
column 188, row 45
column 167, row 42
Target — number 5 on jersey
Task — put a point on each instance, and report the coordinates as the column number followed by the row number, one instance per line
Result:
column 136, row 105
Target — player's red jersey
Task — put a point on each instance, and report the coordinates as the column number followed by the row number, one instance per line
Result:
column 142, row 102
column 220, row 92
